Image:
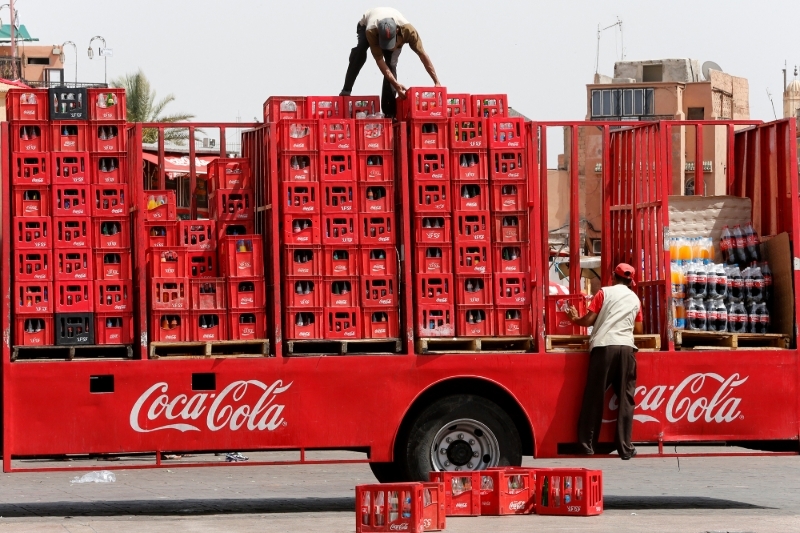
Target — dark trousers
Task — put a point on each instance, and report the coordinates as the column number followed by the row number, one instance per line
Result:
column 358, row 56
column 615, row 366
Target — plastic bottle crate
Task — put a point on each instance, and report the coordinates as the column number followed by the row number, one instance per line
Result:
column 510, row 227
column 169, row 294
column 423, row 102
column 434, row 289
column 506, row 132
column 374, row 134
column 508, row 491
column 556, row 314
column 197, row 234
column 342, row 323
column 324, row 107
column 112, row 265
column 509, row 196
column 209, row 293
column 113, row 328
column 569, row 492
column 339, row 165
column 339, row 197
column 302, row 167
column 242, row 256
column 71, row 200
column 489, row 105
column 33, row 331
column 73, row 264
column 389, row 507
column 432, row 229
column 511, row 258
column 458, row 105
column 469, row 165
column 70, row 168
column 30, row 169
column 74, row 296
column 378, row 261
column 108, row 168
column 337, row 134
column 280, row 107
column 68, row 103
column 298, row 135
column 462, row 494
column 113, row 296
column 111, row 234
column 69, row 136
column 379, row 291
column 170, row 326
column 431, row 196
column 304, row 323
column 375, row 166
column 435, row 321
column 107, row 104
column 233, row 229
column 473, row 258
column 72, row 232
column 31, row 201
column 340, row 261
column 352, row 105
column 470, row 196
column 340, row 292
column 474, row 290
column 30, row 137
column 72, row 329
column 33, row 233
column 232, row 204
column 434, row 259
column 159, row 234
column 468, row 133
column 27, row 105
column 230, row 173
column 167, row 262
column 429, row 134
column 33, row 265
column 110, row 200
column 377, row 229
column 430, row 164
column 475, row 321
column 508, row 165
column 159, row 206
column 33, row 297
column 247, row 325
column 340, row 229
column 433, row 510
column 472, row 226
column 381, row 323
column 246, row 293
column 107, row 137
column 301, row 229
column 303, row 260
column 376, row 198
column 299, row 198
column 513, row 321
column 512, row 289
column 208, row 325
column 203, row 264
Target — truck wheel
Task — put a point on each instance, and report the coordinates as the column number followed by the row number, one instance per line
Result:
column 386, row 472
column 460, row 433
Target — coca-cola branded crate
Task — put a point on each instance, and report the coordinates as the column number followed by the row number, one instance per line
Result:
column 377, row 229
column 113, row 296
column 204, row 264
column 70, row 168
column 111, row 234
column 435, row 321
column 300, row 167
column 430, row 164
column 340, row 229
column 159, row 234
column 468, row 133
column 72, row 232
column 353, row 105
column 27, row 105
column 342, row 323
column 30, row 137
column 513, row 321
column 511, row 258
column 247, row 325
column 197, row 234
column 297, row 135
column 508, row 491
column 433, row 229
column 246, row 293
column 472, row 226
column 510, row 227
column 73, row 329
column 470, row 196
column 30, row 169
column 390, row 507
column 33, row 265
column 507, row 165
column 423, row 102
column 303, row 260
column 280, row 107
column 73, row 264
column 378, row 261
column 506, row 132
column 558, row 323
column 474, row 290
column 462, row 492
column 169, row 326
column 379, row 291
column 208, row 293
column 33, row 330
column 324, row 107
column 208, row 325
column 381, row 323
column 434, row 289
column 108, row 168
column 458, row 105
column 509, row 196
column 159, row 206
column 232, row 204
column 433, row 511
column 429, row 135
column 472, row 321
column 376, row 198
column 339, row 165
column 304, row 292
column 107, row 137
column 74, row 296
column 469, row 165
column 234, row 229
column 511, row 289
column 375, row 166
column 69, row 136
column 68, row 103
column 434, row 259
column 169, row 294
column 301, row 229
column 110, row 200
column 473, row 258
column 113, row 328
column 71, row 200
column 340, row 292
column 112, row 265
column 33, row 297
column 337, row 134
column 31, row 201
column 569, row 492
column 431, row 196
column 230, row 173
column 304, row 323
column 374, row 134
column 33, row 233
column 339, row 197
column 489, row 105
column 339, row 261
column 108, row 105
column 300, row 198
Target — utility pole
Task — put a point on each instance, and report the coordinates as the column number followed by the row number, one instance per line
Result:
column 13, row 44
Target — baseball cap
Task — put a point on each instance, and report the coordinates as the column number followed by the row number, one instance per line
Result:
column 624, row 270
column 387, row 33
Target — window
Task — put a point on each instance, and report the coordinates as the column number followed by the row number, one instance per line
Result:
column 39, row 61
column 617, row 103
column 652, row 73
column 696, row 113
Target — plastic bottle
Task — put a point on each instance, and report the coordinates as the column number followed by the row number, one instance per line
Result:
column 696, row 315
column 758, row 318
column 679, row 313
column 726, row 246
column 737, row 317
column 684, row 250
column 767, row 273
column 739, row 249
column 696, row 281
column 678, row 281
column 754, row 283
column 736, row 288
column 717, row 315
column 751, row 241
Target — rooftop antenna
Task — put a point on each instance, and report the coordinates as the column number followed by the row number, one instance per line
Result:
column 599, row 31
column 773, row 104
column 707, row 67
column 784, row 75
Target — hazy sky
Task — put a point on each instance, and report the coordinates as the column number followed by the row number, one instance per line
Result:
column 221, row 59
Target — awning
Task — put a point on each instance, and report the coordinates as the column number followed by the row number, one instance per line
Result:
column 20, row 34
column 180, row 164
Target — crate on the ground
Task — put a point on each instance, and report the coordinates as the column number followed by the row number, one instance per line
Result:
column 508, row 491
column 569, row 492
column 462, row 492
column 390, row 507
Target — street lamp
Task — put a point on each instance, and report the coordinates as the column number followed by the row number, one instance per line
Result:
column 101, row 52
column 63, row 57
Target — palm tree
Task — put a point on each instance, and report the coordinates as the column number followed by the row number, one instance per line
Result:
column 142, row 107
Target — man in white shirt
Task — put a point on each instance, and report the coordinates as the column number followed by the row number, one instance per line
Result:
column 615, row 314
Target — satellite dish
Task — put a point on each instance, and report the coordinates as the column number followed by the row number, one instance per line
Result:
column 707, row 66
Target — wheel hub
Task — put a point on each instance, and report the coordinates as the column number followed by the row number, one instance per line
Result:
column 464, row 445
column 459, row 453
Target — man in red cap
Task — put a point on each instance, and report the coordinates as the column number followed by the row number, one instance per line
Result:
column 615, row 314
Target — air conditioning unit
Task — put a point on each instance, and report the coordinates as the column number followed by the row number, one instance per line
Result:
column 209, row 143
column 597, row 246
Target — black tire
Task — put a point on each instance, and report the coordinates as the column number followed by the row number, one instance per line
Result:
column 387, row 472
column 414, row 454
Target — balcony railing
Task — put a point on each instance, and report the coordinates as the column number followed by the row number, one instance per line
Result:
column 10, row 68
column 72, row 84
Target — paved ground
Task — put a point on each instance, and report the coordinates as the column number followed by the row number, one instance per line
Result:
column 759, row 494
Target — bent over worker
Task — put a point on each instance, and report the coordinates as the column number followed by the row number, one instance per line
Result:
column 384, row 31
column 616, row 314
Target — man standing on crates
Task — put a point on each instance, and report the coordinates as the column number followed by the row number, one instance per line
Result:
column 616, row 314
column 384, row 31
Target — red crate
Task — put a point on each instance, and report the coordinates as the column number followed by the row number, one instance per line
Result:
column 33, row 265
column 458, row 105
column 159, row 206
column 462, row 492
column 299, row 198
column 475, row 321
column 280, row 107
column 513, row 321
column 167, row 262
column 303, row 260
column 374, row 166
column 232, row 229
column 33, row 297
column 27, row 105
column 74, row 296
column 170, row 326
column 323, row 107
column 374, row 134
column 111, row 233
column 297, row 135
column 160, row 234
column 379, row 291
column 511, row 290
column 208, row 325
column 377, row 229
column 376, row 198
column 33, row 233
column 340, row 292
column 340, row 229
column 169, row 293
column 337, row 165
column 381, row 323
column 474, row 290
column 434, row 289
column 434, row 259
column 508, row 491
column 342, row 323
column 30, row 169
column 489, row 105
column 72, row 200
column 469, row 165
column 108, row 168
column 72, row 232
column 246, row 293
column 337, row 134
column 380, row 261
column 31, row 201
column 197, row 234
column 340, row 260
column 472, row 226
column 353, row 105
column 510, row 258
column 298, row 167
column 430, row 164
column 433, row 228
column 230, row 173
column 113, row 328
column 506, row 132
column 301, row 229
column 107, row 104
column 73, row 264
column 69, row 136
column 304, row 323
column 247, row 325
column 33, row 331
column 473, row 258
column 556, row 314
column 435, row 321
column 110, row 200
column 113, row 296
column 208, row 293
column 429, row 135
column 232, row 204
column 107, row 137
column 339, row 197
column 508, row 165
column 431, row 196
column 569, row 492
column 510, row 227
column 423, row 102
column 202, row 264
column 433, row 510
column 30, row 137
column 468, row 133
column 509, row 196
column 389, row 507
column 112, row 266
column 242, row 256
column 472, row 196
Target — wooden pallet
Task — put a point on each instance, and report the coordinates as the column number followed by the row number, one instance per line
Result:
column 713, row 340
column 447, row 345
column 343, row 347
column 209, row 350
column 69, row 353
column 580, row 343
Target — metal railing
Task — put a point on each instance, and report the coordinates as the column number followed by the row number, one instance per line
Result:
column 10, row 68
column 71, row 84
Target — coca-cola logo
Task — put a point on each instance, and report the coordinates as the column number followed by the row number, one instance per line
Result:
column 399, row 527
column 461, row 505
column 516, row 506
